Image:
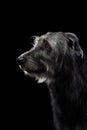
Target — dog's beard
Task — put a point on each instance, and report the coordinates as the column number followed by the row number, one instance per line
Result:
column 40, row 78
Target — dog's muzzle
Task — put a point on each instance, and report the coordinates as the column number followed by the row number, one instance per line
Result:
column 31, row 65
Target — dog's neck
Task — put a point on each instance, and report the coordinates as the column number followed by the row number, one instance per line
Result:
column 65, row 99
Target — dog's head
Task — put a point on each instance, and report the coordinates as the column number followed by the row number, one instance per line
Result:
column 47, row 54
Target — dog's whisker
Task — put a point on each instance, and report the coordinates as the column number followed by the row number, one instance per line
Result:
column 20, row 67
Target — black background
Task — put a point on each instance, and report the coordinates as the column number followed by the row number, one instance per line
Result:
column 32, row 101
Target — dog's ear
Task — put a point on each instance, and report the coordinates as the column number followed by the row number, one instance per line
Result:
column 73, row 42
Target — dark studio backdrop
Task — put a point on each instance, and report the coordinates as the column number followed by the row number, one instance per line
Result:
column 33, row 108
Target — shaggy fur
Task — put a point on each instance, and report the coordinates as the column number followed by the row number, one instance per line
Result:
column 58, row 60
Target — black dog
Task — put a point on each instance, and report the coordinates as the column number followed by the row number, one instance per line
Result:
column 58, row 60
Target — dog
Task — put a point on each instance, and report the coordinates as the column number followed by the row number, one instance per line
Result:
column 58, row 60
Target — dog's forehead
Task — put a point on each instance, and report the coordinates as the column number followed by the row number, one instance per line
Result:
column 53, row 37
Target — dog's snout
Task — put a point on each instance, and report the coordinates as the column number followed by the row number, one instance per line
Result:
column 21, row 60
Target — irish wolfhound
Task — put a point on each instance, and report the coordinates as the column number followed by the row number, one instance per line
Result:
column 58, row 60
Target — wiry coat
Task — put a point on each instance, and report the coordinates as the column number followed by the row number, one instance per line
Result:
column 58, row 60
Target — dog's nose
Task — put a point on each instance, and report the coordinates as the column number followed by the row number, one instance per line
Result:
column 21, row 60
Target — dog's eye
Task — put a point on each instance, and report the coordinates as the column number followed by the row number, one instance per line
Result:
column 45, row 44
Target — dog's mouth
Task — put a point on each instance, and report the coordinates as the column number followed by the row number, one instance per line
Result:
column 34, row 68
column 39, row 71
